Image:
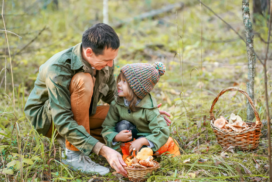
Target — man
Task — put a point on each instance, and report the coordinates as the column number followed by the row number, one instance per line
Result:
column 66, row 93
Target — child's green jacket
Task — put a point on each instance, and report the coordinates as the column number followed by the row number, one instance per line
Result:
column 146, row 118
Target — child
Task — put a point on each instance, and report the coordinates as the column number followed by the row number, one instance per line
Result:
column 134, row 115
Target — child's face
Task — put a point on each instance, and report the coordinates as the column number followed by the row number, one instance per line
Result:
column 123, row 88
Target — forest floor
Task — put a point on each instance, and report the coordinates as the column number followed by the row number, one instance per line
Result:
column 202, row 55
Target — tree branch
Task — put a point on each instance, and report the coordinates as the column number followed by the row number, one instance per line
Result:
column 11, row 33
column 259, row 35
column 229, row 27
column 7, row 41
column 44, row 28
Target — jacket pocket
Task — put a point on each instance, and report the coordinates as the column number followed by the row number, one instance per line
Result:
column 104, row 88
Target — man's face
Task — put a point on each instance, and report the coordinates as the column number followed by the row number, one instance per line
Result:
column 101, row 61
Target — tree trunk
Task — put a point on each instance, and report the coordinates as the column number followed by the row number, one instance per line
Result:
column 251, row 57
column 105, row 12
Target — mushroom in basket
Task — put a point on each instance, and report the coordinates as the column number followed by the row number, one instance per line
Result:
column 142, row 160
column 235, row 123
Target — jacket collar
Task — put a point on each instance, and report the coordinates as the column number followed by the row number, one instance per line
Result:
column 76, row 57
column 148, row 102
column 79, row 62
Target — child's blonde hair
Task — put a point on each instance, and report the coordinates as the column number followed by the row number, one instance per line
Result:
column 133, row 101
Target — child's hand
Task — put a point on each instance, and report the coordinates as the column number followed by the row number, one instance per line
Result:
column 137, row 144
column 123, row 136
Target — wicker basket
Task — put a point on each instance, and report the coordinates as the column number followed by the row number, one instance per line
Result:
column 139, row 174
column 245, row 140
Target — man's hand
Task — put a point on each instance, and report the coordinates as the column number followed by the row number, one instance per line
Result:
column 137, row 144
column 115, row 160
column 167, row 120
column 123, row 136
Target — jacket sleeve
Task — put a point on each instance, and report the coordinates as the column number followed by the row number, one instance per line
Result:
column 112, row 87
column 158, row 127
column 108, row 131
column 57, row 83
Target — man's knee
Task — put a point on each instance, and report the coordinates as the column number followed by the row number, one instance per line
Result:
column 82, row 82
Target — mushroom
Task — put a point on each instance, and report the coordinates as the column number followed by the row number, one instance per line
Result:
column 232, row 118
column 144, row 153
column 239, row 121
column 148, row 162
column 128, row 161
column 220, row 123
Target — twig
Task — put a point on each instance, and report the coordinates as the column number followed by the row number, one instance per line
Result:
column 201, row 61
column 28, row 33
column 6, row 36
column 259, row 35
column 230, row 28
column 266, row 96
column 220, row 41
column 44, row 28
column 5, row 74
column 151, row 14
column 3, row 162
column 214, row 41
column 11, row 33
column 34, row 176
column 222, row 20
column 18, row 14
column 19, row 152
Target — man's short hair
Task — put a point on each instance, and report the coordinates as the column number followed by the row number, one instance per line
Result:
column 99, row 37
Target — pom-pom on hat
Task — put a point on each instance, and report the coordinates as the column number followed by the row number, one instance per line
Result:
column 142, row 77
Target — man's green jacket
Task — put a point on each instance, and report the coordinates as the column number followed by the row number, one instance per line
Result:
column 50, row 99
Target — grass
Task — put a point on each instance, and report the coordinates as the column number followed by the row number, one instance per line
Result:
column 197, row 70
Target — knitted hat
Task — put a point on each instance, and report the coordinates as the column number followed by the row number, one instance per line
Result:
column 142, row 77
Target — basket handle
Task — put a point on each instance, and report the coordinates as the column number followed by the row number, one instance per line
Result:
column 258, row 122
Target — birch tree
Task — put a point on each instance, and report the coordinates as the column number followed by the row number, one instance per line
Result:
column 250, row 55
column 105, row 12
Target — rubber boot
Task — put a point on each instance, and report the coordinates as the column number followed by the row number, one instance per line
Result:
column 170, row 147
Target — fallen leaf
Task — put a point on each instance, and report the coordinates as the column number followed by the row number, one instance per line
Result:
column 247, row 171
column 266, row 167
column 28, row 161
column 224, row 155
column 189, row 144
column 170, row 173
column 36, row 158
column 257, row 166
column 6, row 171
column 186, row 161
column 198, row 123
column 217, row 162
column 192, row 175
column 202, row 160
column 15, row 164
column 230, row 149
column 257, row 179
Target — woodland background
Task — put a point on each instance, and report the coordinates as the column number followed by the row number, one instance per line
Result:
column 202, row 55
